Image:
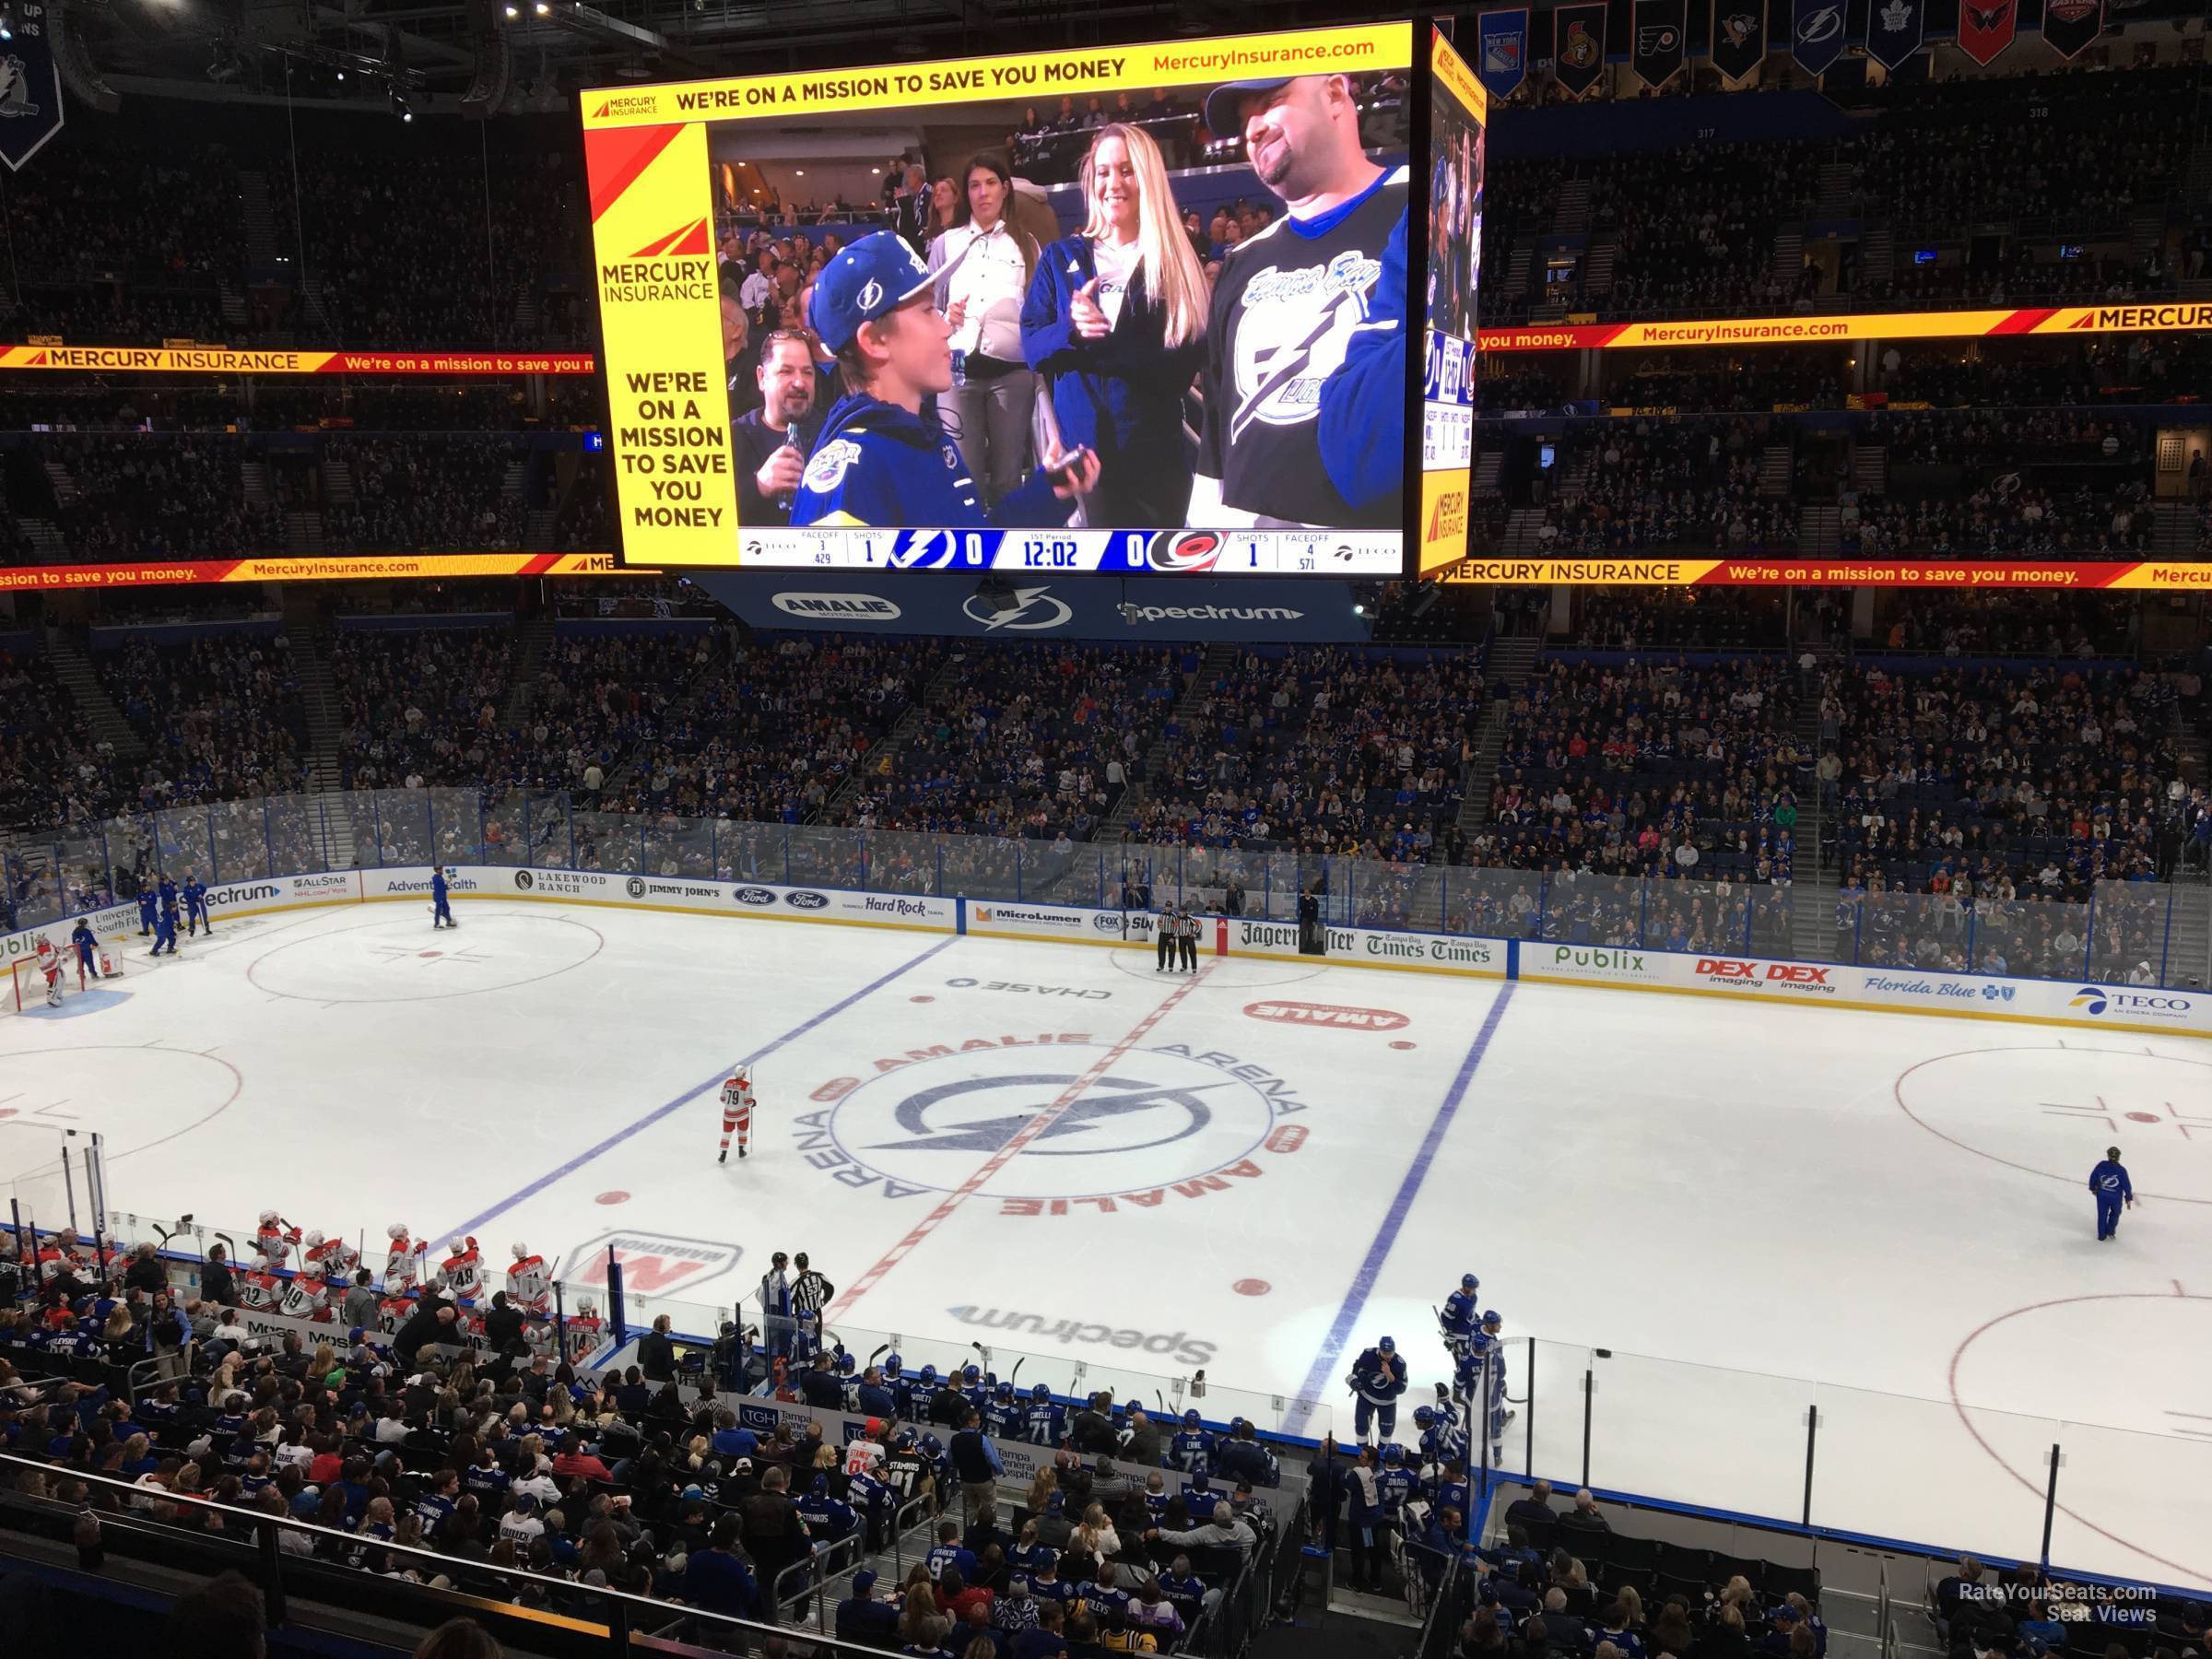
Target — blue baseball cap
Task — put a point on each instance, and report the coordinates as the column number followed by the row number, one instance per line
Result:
column 1225, row 104
column 872, row 278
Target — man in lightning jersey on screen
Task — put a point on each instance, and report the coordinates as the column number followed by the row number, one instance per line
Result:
column 1304, row 378
column 736, row 1113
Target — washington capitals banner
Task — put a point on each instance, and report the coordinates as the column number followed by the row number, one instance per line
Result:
column 1501, row 58
column 1578, row 46
column 1660, row 46
column 1984, row 30
column 31, row 87
column 1739, row 39
column 1816, row 34
column 1895, row 30
column 2069, row 25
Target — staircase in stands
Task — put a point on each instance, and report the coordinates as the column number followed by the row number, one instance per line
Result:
column 308, row 629
column 73, row 672
column 1221, row 658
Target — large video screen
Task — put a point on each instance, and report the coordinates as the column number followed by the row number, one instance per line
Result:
column 1457, row 109
column 1138, row 308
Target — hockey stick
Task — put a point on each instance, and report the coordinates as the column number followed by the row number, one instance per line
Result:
column 1015, row 1376
column 881, row 1349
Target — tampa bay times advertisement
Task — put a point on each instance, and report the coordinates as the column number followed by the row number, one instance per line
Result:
column 1141, row 309
column 1457, row 106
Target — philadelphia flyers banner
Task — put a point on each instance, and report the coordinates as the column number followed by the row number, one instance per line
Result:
column 1578, row 47
column 2069, row 25
column 1658, row 48
column 1985, row 30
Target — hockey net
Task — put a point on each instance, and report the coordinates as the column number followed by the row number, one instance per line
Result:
column 26, row 985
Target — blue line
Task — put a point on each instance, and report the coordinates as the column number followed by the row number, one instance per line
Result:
column 1363, row 1282
column 658, row 1112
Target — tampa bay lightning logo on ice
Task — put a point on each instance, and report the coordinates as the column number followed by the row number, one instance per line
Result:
column 1151, row 1123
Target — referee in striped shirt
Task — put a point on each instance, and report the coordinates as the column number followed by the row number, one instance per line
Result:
column 810, row 1293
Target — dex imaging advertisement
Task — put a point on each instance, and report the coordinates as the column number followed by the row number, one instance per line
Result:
column 1457, row 104
column 1143, row 308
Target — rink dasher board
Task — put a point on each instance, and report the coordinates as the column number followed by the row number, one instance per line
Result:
column 2084, row 1005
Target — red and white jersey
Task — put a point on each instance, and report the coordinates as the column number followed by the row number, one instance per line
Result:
column 860, row 1455
column 53, row 1258
column 538, row 1337
column 49, row 960
column 465, row 1272
column 334, row 1258
column 275, row 1242
column 260, row 1290
column 403, row 1266
column 395, row 1312
column 529, row 1288
column 587, row 1335
column 304, row 1297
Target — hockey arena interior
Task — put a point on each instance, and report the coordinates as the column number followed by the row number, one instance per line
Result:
column 1004, row 832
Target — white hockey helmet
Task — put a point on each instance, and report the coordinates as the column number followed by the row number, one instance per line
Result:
column 314, row 1241
column 398, row 1230
column 454, row 1247
column 270, row 1217
column 586, row 1307
column 521, row 1251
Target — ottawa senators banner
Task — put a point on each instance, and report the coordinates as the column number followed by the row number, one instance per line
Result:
column 1816, row 34
column 1578, row 46
column 1895, row 30
column 1739, row 39
column 2069, row 25
column 1659, row 47
column 1985, row 30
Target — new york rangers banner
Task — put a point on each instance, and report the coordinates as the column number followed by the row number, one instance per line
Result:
column 2069, row 25
column 1986, row 29
column 1659, row 47
column 1895, row 30
column 1739, row 39
column 1578, row 46
column 1816, row 34
column 1501, row 58
column 30, row 86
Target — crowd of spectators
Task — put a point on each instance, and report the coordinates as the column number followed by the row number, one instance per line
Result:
column 1657, row 482
column 419, row 709
column 221, row 717
column 425, row 494
column 52, row 771
column 1694, row 226
column 131, row 499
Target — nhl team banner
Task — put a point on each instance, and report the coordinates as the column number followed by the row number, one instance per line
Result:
column 1578, row 46
column 1740, row 40
column 1501, row 41
column 1816, row 34
column 222, row 360
column 1660, row 46
column 2070, row 25
column 30, row 86
column 1895, row 30
column 2181, row 317
column 1985, row 30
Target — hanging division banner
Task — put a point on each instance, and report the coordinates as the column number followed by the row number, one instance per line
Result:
column 1660, row 47
column 1986, row 30
column 1816, row 34
column 2071, row 26
column 1501, row 50
column 1895, row 30
column 1578, row 47
column 1739, row 40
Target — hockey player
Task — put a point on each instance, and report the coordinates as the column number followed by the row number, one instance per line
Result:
column 404, row 1261
column 464, row 1269
column 340, row 1261
column 529, row 1287
column 260, row 1288
column 736, row 1113
column 1458, row 1319
column 1395, row 1485
column 1378, row 1378
column 165, row 920
column 2110, row 1183
column 275, row 1238
column 441, row 910
column 1189, row 1444
column 1044, row 1423
column 1482, row 1384
column 586, row 1332
column 87, row 953
column 148, row 908
column 306, row 1295
column 1004, row 1417
column 50, row 971
column 196, row 905
column 1442, row 1440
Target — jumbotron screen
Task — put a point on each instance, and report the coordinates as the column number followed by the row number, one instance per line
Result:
column 1457, row 110
column 1140, row 309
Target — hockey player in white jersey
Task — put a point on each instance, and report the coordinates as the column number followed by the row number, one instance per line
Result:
column 464, row 1269
column 736, row 1113
column 275, row 1238
column 529, row 1286
column 404, row 1262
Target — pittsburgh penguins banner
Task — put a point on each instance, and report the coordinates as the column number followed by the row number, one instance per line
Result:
column 1895, row 30
column 31, row 87
column 1739, row 39
column 1501, row 58
column 1984, row 30
column 1660, row 47
column 1816, row 34
column 2069, row 25
column 1578, row 46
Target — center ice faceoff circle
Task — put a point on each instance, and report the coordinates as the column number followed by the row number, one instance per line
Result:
column 1147, row 1120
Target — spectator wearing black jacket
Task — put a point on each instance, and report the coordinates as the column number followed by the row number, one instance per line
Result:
column 503, row 1326
column 1092, row 1431
column 216, row 1288
column 145, row 1272
column 656, row 1353
column 818, row 1386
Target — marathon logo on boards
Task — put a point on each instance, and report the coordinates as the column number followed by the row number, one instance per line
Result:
column 1328, row 1015
column 573, row 883
column 652, row 1264
column 1180, row 1345
column 1735, row 974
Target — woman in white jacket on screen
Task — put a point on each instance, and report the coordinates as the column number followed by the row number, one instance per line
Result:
column 983, row 265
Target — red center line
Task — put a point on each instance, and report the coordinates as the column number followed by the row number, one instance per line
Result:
column 1006, row 1154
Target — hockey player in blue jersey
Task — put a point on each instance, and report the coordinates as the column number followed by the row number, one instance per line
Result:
column 87, row 951
column 441, row 910
column 2110, row 1183
column 196, row 905
column 1442, row 1437
column 1043, row 1421
column 1190, row 1443
column 1458, row 1319
column 165, row 923
column 1482, row 1384
column 1394, row 1484
column 882, row 457
column 1004, row 1417
column 148, row 910
column 1378, row 1379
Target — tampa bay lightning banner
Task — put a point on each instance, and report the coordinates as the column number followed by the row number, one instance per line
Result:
column 1501, row 55
column 1578, row 46
column 1895, row 30
column 1816, row 34
column 30, row 86
column 1739, row 39
column 2069, row 25
column 1984, row 30
column 1659, row 47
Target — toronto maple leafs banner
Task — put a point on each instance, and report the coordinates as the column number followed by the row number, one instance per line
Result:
column 1739, row 39
column 1984, row 30
column 1659, row 47
column 2069, row 25
column 1816, row 34
column 30, row 86
column 1895, row 30
column 1578, row 46
column 1502, row 59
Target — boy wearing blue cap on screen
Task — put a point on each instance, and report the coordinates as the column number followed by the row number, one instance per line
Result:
column 882, row 456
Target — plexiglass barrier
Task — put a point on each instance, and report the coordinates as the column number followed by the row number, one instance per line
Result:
column 2126, row 932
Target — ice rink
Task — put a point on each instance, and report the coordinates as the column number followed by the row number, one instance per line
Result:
column 1233, row 1174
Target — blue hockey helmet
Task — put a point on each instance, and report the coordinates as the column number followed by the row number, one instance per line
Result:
column 1005, row 1390
column 1235, row 1424
column 1424, row 1416
column 929, row 1373
column 1191, row 1418
column 974, row 1374
column 1394, row 1454
column 892, row 1365
column 1491, row 1317
column 1043, row 1391
column 842, row 1363
column 1387, row 1346
column 1470, row 1283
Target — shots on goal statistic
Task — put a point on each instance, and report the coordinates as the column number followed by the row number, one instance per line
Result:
column 1135, row 308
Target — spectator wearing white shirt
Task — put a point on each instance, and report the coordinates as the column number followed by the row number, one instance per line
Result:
column 982, row 266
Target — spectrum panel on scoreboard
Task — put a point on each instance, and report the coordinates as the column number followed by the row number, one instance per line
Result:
column 1141, row 309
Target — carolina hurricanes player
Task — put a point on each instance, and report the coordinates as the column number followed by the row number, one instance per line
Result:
column 260, row 1288
column 464, row 1269
column 736, row 1113
column 587, row 1330
column 404, row 1264
column 306, row 1295
column 50, row 968
column 529, row 1288
column 325, row 1258
column 275, row 1238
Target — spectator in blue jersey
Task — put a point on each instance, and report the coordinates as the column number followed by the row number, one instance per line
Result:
column 2109, row 1181
column 882, row 456
column 1113, row 320
column 862, row 1618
